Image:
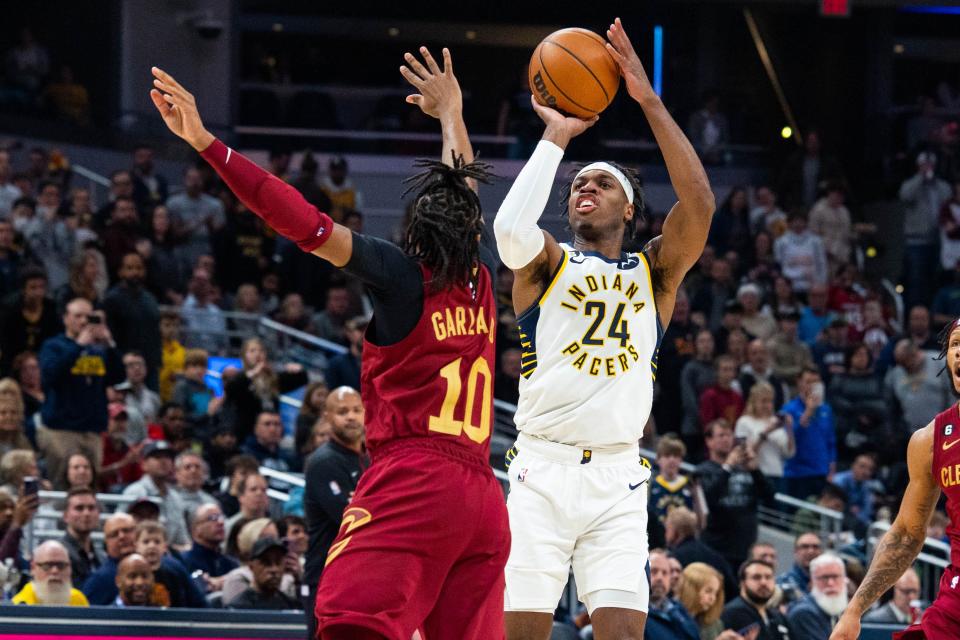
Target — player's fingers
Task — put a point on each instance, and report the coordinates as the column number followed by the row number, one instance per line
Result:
column 166, row 87
column 431, row 63
column 159, row 102
column 447, row 62
column 415, row 98
column 170, row 85
column 411, row 77
column 617, row 56
column 415, row 64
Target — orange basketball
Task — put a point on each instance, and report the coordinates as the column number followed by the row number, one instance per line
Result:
column 572, row 72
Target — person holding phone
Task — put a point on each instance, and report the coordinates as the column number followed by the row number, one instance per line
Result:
column 770, row 435
column 815, row 459
column 750, row 614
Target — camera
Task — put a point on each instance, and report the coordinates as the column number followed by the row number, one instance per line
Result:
column 208, row 28
column 94, row 318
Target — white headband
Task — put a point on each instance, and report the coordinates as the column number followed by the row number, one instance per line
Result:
column 612, row 170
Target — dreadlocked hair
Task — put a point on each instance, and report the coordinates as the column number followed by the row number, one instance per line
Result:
column 639, row 202
column 943, row 339
column 446, row 220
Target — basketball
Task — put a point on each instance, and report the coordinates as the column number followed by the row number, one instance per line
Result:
column 571, row 71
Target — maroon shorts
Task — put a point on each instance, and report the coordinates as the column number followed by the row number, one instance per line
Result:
column 422, row 546
column 942, row 619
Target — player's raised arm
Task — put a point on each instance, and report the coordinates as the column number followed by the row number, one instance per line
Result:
column 526, row 249
column 281, row 206
column 903, row 541
column 686, row 227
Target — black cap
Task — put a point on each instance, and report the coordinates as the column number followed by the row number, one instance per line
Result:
column 159, row 448
column 788, row 313
column 145, row 507
column 263, row 545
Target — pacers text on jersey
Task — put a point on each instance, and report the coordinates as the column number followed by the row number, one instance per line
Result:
column 461, row 321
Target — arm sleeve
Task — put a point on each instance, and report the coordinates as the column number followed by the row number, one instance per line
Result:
column 277, row 203
column 519, row 239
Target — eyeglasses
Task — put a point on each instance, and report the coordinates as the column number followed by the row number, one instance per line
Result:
column 215, row 517
column 53, row 564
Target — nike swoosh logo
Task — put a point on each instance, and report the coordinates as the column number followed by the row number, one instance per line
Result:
column 634, row 486
column 947, row 445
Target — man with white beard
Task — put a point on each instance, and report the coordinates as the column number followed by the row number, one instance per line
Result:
column 51, row 584
column 814, row 617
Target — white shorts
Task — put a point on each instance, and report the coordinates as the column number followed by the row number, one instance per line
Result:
column 571, row 506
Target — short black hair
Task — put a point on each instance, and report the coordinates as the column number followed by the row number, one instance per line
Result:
column 742, row 571
column 32, row 272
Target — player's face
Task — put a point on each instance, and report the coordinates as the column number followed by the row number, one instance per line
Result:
column 953, row 358
column 598, row 206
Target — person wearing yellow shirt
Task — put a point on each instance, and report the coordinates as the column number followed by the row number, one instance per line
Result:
column 51, row 583
column 172, row 356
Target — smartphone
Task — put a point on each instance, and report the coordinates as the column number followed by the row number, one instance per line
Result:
column 94, row 319
column 747, row 629
column 31, row 485
column 817, row 392
column 739, row 441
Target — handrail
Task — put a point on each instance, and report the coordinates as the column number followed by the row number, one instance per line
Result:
column 283, row 476
column 90, row 175
column 103, row 498
column 351, row 134
column 302, row 335
column 809, row 506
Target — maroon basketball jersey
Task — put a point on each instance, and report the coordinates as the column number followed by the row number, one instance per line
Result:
column 946, row 472
column 438, row 381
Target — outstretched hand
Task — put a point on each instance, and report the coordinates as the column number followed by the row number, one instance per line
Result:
column 560, row 128
column 178, row 108
column 439, row 92
column 634, row 75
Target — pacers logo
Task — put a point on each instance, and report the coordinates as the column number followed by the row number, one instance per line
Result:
column 353, row 519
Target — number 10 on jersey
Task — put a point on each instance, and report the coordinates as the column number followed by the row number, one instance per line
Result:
column 446, row 422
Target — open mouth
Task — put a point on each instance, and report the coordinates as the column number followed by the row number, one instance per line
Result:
column 586, row 203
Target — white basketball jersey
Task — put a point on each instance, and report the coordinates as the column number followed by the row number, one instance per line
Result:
column 590, row 352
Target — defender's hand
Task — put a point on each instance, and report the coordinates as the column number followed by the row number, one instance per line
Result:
column 440, row 93
column 178, row 108
column 634, row 75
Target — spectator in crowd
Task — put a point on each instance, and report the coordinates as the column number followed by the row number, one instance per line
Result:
column 237, row 581
column 157, row 467
column 76, row 368
column 730, row 227
column 681, row 535
column 795, row 583
column 122, row 235
column 806, row 170
column 721, row 399
column 833, row 498
column 308, row 185
column 80, row 473
column 506, row 384
column 172, row 421
column 830, row 219
column 784, row 297
column 258, row 388
column 344, row 369
column 15, row 515
column 149, row 187
column 51, row 240
column 765, row 551
column 814, row 316
column 120, row 462
column 946, row 302
column 876, row 329
column 26, row 371
column 923, row 196
column 28, row 63
column 709, row 131
column 756, row 321
column 134, row 316
column 330, row 323
column 236, row 469
column 267, row 562
column 264, row 443
column 52, row 583
column 789, row 355
column 753, row 606
column 859, row 485
column 206, row 326
column 119, row 539
column 172, row 353
column 758, row 369
column 121, row 187
column 331, row 476
column 767, row 217
column 138, row 396
column 697, row 375
column 857, row 398
column 701, row 595
column 218, row 450
column 899, row 609
column 82, row 517
column 191, row 392
column 207, row 526
column 191, row 472
column 173, row 586
column 340, row 188
column 83, row 281
column 9, row 192
column 668, row 487
column 950, row 231
column 27, row 319
column 167, row 267
column 830, row 350
column 676, row 350
column 733, row 487
column 815, row 616
column 12, row 434
column 712, row 296
column 769, row 435
column 814, row 432
column 666, row 618
column 252, row 499
column 134, row 582
column 915, row 390
column 197, row 216
column 11, row 258
column 801, row 254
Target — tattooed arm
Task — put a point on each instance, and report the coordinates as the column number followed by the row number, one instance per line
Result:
column 900, row 545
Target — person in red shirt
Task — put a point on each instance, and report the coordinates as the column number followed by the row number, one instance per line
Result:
column 425, row 539
column 721, row 399
column 121, row 462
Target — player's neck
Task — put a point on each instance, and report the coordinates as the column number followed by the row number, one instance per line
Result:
column 608, row 247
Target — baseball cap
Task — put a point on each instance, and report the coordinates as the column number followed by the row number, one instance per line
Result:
column 263, row 545
column 158, row 448
column 117, row 410
column 144, row 508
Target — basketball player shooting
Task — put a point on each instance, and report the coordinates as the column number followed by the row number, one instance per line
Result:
column 934, row 466
column 591, row 317
column 425, row 539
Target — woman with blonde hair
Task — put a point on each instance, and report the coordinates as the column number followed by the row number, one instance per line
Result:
column 86, row 269
column 769, row 435
column 12, row 435
column 701, row 593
